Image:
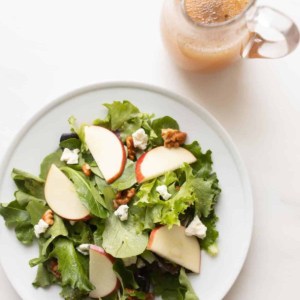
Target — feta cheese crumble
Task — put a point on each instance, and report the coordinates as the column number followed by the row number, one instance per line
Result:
column 196, row 228
column 140, row 139
column 40, row 228
column 122, row 212
column 163, row 191
column 84, row 249
column 70, row 156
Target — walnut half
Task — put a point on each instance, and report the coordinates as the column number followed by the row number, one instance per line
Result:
column 173, row 138
column 130, row 147
column 123, row 197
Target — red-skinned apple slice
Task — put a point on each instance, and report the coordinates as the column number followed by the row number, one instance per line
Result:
column 160, row 160
column 107, row 150
column 101, row 273
column 62, row 197
column 173, row 245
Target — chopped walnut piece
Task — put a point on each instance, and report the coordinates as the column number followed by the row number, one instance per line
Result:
column 48, row 217
column 130, row 147
column 86, row 169
column 54, row 268
column 173, row 138
column 123, row 197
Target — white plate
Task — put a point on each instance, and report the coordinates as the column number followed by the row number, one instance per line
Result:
column 41, row 136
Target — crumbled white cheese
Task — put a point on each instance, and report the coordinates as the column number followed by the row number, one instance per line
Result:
column 196, row 228
column 140, row 139
column 84, row 249
column 163, row 191
column 40, row 228
column 70, row 156
column 122, row 212
column 128, row 261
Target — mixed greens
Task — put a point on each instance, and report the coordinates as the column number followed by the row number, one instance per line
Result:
column 194, row 192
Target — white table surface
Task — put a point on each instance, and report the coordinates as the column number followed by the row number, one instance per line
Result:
column 49, row 48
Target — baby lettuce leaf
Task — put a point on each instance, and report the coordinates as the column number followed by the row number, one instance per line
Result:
column 72, row 265
column 52, row 158
column 206, row 195
column 80, row 233
column 120, row 238
column 123, row 117
column 211, row 234
column 13, row 213
column 87, row 193
column 203, row 165
column 58, row 229
column 71, row 143
column 69, row 293
column 125, row 275
column 127, row 179
column 24, row 198
column 16, row 216
column 28, row 183
column 121, row 112
column 99, row 224
column 43, row 277
column 166, row 211
column 184, row 281
column 36, row 209
column 159, row 124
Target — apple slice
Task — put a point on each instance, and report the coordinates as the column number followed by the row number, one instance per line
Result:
column 173, row 245
column 62, row 197
column 160, row 160
column 101, row 272
column 107, row 150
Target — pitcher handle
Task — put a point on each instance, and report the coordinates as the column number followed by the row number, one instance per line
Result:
column 273, row 34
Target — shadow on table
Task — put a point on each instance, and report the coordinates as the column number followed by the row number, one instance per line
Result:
column 220, row 92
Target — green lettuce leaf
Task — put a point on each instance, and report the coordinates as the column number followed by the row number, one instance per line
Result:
column 71, row 265
column 123, row 117
column 43, row 277
column 120, row 238
column 52, row 158
column 99, row 224
column 36, row 209
column 203, row 165
column 71, row 143
column 211, row 234
column 58, row 229
column 24, row 198
column 125, row 275
column 13, row 213
column 184, row 281
column 166, row 211
column 16, row 216
column 127, row 179
column 69, row 293
column 87, row 193
column 121, row 112
column 162, row 123
column 80, row 233
column 28, row 183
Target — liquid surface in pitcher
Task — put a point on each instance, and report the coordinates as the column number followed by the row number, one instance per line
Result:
column 214, row 11
column 197, row 47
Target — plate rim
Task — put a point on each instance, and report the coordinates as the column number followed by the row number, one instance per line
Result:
column 207, row 116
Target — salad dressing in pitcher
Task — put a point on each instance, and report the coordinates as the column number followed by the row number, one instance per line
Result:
column 195, row 36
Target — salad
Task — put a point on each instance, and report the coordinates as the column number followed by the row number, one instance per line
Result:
column 120, row 210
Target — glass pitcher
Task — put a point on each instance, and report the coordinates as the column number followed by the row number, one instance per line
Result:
column 257, row 32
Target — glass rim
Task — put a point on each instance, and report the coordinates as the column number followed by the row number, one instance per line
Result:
column 218, row 24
